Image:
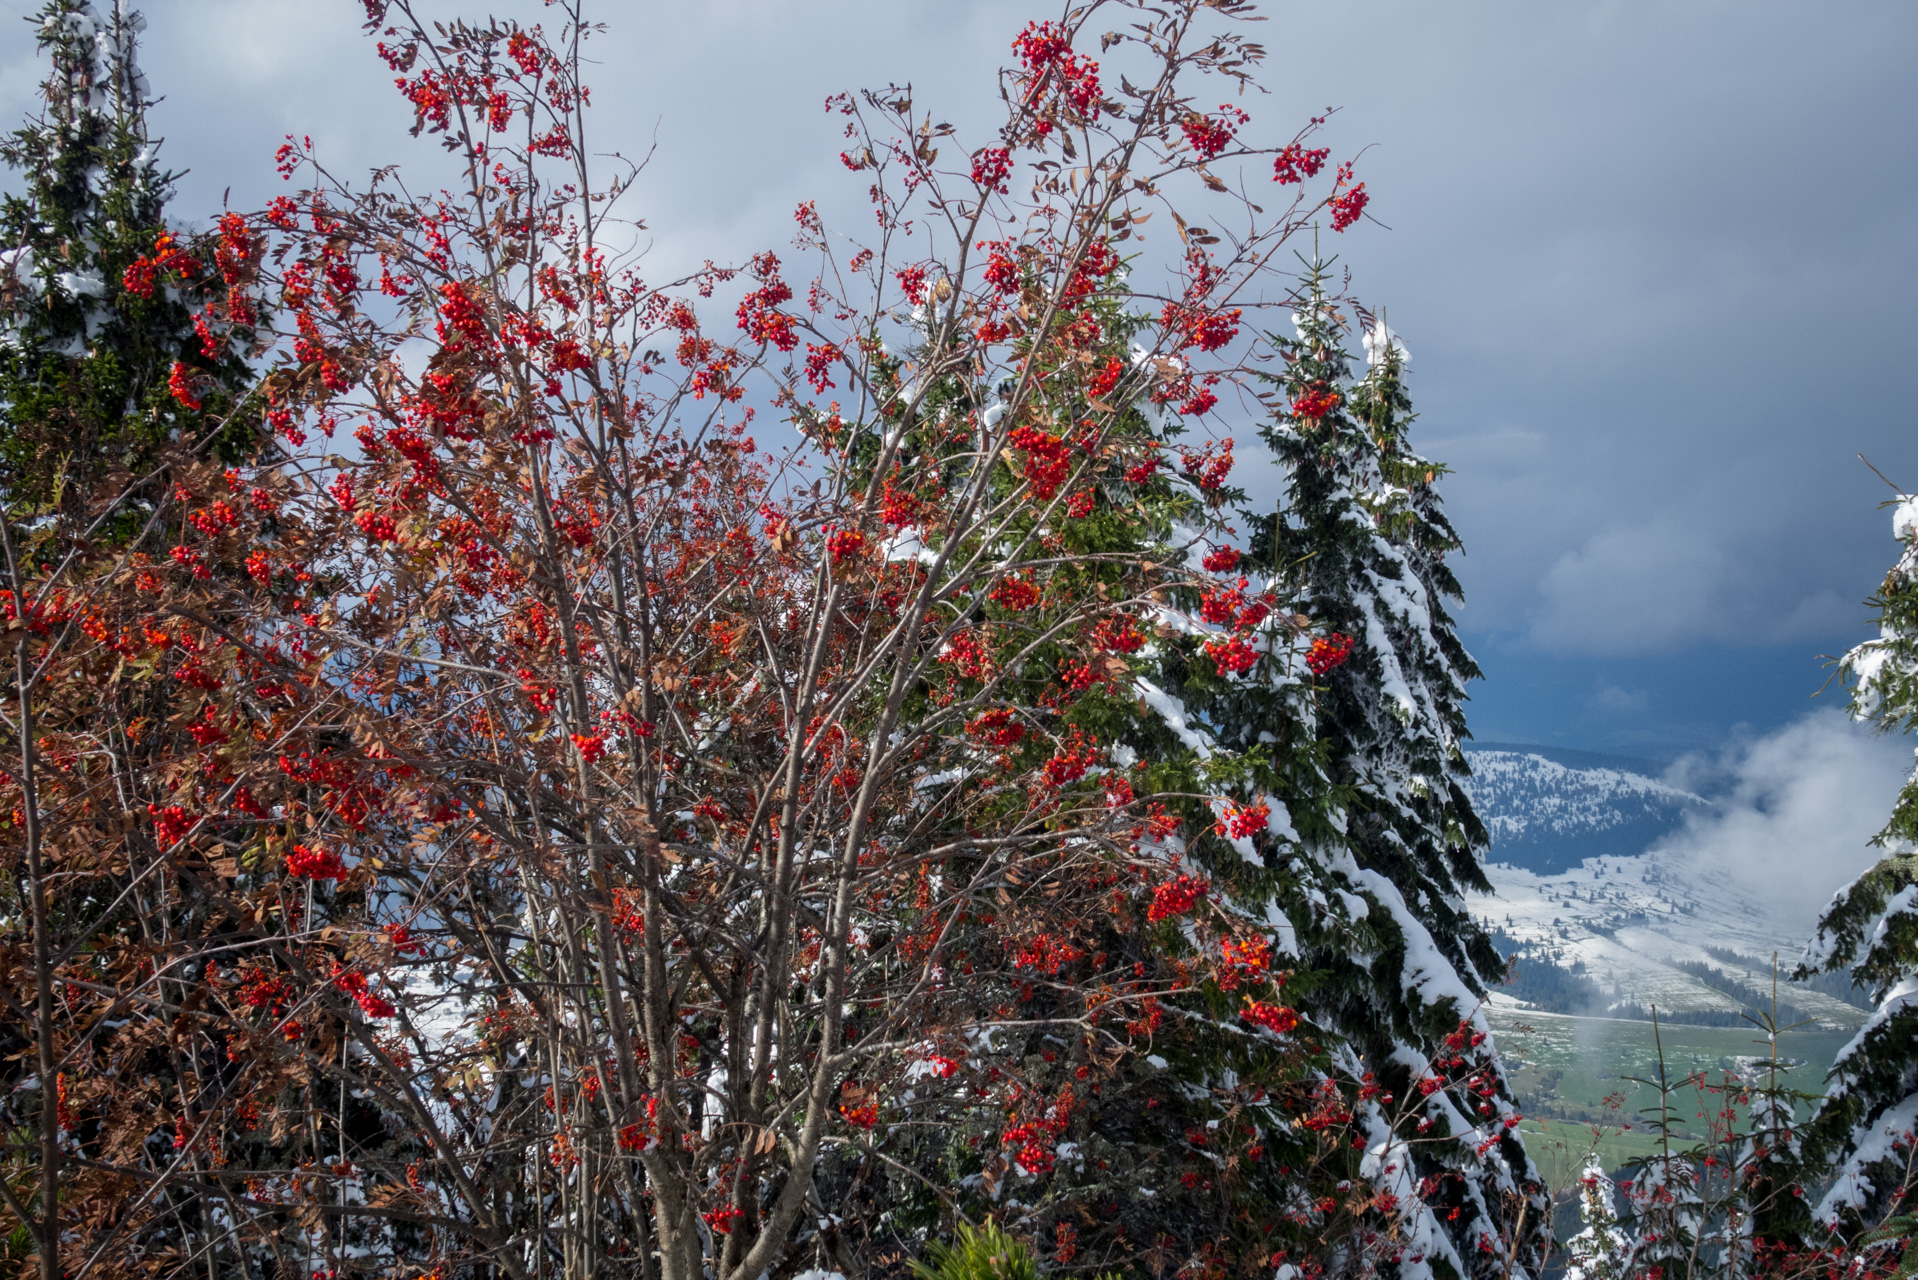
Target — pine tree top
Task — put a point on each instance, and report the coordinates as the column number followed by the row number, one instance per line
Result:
column 94, row 355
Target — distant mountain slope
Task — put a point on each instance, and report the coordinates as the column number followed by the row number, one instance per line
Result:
column 1549, row 809
column 1647, row 931
column 1602, row 914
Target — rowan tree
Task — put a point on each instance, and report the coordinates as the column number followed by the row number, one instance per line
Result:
column 578, row 838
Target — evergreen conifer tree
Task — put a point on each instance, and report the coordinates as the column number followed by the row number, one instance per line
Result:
column 1340, row 716
column 1364, row 527
column 1862, row 1132
column 1668, row 1217
column 1363, row 532
column 1669, row 1220
column 114, row 336
column 1767, row 1209
column 1601, row 1250
column 1229, row 1143
column 123, row 358
column 1339, row 1017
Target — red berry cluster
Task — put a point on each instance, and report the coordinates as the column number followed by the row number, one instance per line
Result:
column 180, row 382
column 1036, row 1138
column 310, row 863
column 1329, row 652
column 353, row 982
column 207, row 731
column 1015, row 594
column 820, row 360
column 1190, row 326
column 1047, row 461
column 1222, row 560
column 912, row 283
column 214, row 518
column 1001, row 272
column 1209, row 135
column 1070, row 762
column 1315, row 402
column 758, row 312
column 999, row 728
column 1047, row 954
column 1050, row 62
column 1101, row 384
column 1231, row 656
column 1347, row 207
column 898, row 507
column 378, row 526
column 1276, row 1018
column 845, row 544
column 967, row 655
column 462, row 321
column 722, row 1220
column 167, row 259
column 1246, row 961
column 1210, row 465
column 1227, row 606
column 1176, row 897
column 1295, row 164
column 1241, row 822
column 860, row 1115
column 1118, row 635
column 171, row 823
column 403, row 941
column 991, row 167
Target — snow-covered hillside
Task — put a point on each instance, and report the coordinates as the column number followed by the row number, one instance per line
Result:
column 1642, row 929
column 1548, row 810
column 1586, row 880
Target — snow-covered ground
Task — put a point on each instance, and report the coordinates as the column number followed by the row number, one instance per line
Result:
column 1529, row 797
column 1627, row 919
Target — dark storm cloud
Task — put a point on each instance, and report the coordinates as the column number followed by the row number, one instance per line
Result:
column 1654, row 261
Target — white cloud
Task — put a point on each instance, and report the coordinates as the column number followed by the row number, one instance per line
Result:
column 1794, row 822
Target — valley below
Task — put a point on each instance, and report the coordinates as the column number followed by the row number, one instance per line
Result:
column 1631, row 957
column 1590, row 1084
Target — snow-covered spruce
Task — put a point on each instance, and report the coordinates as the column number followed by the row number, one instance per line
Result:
column 1862, row 1134
column 100, row 368
column 1602, row 1249
column 1344, row 722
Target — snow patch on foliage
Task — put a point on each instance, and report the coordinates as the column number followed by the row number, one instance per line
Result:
column 1391, row 678
column 1904, row 520
column 1387, row 1165
column 1426, row 973
column 1381, row 343
column 1875, row 1144
column 1173, row 712
column 907, row 545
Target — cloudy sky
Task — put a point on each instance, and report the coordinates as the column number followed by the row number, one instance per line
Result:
column 1654, row 262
